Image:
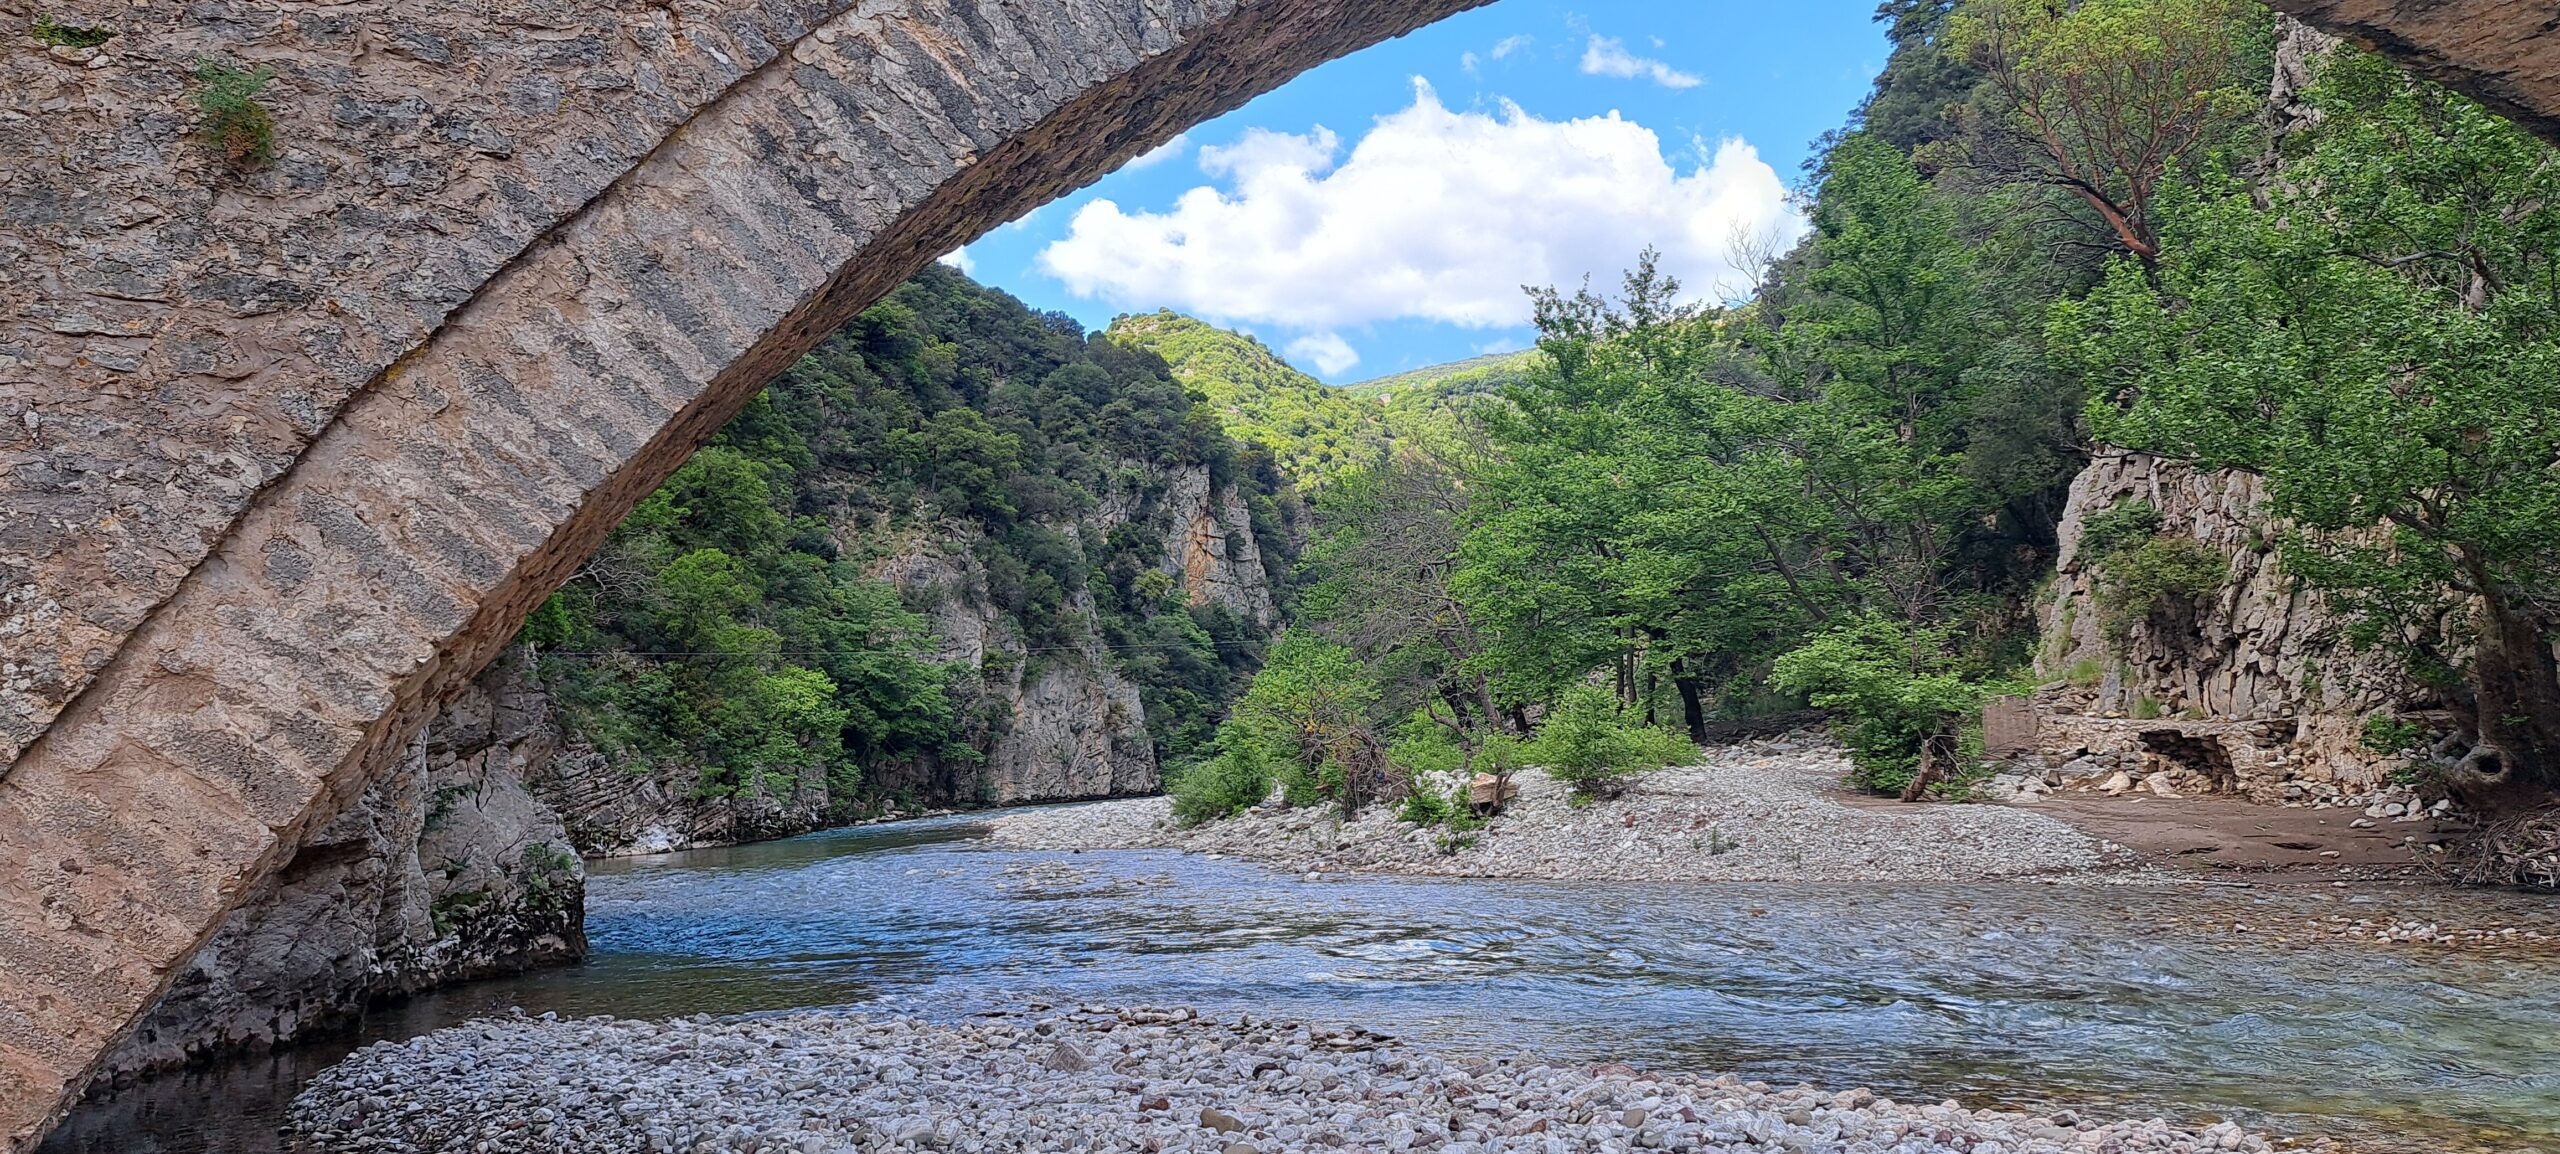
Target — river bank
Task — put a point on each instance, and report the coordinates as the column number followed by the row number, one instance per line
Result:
column 1762, row 810
column 1103, row 1079
column 2115, row 1000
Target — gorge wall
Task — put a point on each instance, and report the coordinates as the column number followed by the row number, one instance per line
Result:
column 462, row 859
column 2251, row 686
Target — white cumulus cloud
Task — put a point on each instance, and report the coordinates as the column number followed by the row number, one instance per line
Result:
column 1434, row 215
column 1328, row 352
column 1608, row 56
column 1511, row 44
column 959, row 258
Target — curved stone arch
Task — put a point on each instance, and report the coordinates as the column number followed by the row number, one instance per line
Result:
column 765, row 173
column 476, row 471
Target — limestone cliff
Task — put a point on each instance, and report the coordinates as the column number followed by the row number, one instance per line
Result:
column 446, row 869
column 1062, row 721
column 2250, row 687
column 1058, row 720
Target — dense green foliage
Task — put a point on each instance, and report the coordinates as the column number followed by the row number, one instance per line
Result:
column 2378, row 336
column 1588, row 742
column 1431, row 403
column 729, row 625
column 1901, row 702
column 1842, row 493
column 1315, row 431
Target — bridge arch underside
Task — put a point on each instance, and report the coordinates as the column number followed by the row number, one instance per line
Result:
column 298, row 447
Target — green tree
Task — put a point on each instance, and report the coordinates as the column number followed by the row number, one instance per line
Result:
column 2103, row 99
column 1589, row 742
column 2381, row 342
column 1308, row 710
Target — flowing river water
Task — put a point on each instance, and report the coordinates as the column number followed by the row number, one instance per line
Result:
column 2118, row 999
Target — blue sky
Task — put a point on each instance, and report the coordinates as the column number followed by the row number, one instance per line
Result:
column 1380, row 213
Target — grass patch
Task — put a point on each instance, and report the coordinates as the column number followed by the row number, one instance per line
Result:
column 60, row 35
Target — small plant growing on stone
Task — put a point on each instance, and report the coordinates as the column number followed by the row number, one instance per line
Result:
column 59, row 35
column 2391, row 736
column 235, row 122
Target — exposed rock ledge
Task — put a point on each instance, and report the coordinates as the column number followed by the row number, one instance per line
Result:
column 446, row 869
column 1758, row 811
column 1100, row 1079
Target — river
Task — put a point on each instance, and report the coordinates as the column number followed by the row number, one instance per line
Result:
column 2121, row 999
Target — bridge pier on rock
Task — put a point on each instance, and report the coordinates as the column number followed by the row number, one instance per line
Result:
column 477, row 468
column 286, row 453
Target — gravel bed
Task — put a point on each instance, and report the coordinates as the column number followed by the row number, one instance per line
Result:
column 1098, row 1079
column 1767, row 810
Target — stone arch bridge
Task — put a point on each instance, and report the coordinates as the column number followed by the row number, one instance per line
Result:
column 290, row 449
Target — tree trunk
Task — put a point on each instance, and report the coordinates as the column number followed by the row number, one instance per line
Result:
column 2516, row 711
column 1937, row 762
column 1693, row 706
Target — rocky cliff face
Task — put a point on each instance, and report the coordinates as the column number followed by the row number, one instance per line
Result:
column 447, row 868
column 1053, row 722
column 2253, row 687
column 462, row 857
column 1063, row 721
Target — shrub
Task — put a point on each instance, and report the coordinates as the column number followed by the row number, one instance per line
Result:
column 1894, row 691
column 236, row 123
column 71, row 35
column 1233, row 781
column 1589, row 743
column 2117, row 528
column 2155, row 576
column 1426, row 807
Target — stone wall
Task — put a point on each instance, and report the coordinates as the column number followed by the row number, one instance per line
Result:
column 446, row 869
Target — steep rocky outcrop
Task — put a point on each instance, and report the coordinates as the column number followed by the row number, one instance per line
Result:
column 447, row 868
column 1054, row 721
column 2253, row 687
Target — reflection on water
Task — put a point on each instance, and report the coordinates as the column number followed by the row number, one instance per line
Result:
column 1993, row 994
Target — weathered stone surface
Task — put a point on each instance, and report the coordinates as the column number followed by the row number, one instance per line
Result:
column 446, row 869
column 285, row 453
column 2261, row 673
column 477, row 461
column 1215, row 555
column 2503, row 53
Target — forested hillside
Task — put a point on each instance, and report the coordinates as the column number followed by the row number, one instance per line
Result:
column 753, row 633
column 1315, row 431
column 1430, row 402
column 2175, row 228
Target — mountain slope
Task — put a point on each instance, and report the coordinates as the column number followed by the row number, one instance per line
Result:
column 1313, row 430
column 1420, row 403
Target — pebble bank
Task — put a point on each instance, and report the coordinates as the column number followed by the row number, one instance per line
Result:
column 1093, row 1078
column 1769, row 810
